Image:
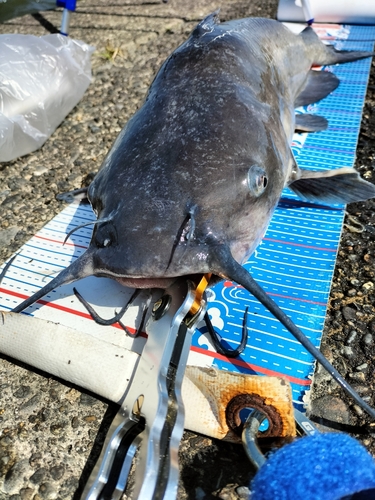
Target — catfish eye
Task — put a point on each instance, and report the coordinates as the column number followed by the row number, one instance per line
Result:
column 256, row 180
column 105, row 235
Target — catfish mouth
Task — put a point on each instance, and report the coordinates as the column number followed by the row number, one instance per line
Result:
column 146, row 282
column 162, row 283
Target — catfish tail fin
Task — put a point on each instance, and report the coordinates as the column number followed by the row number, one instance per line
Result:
column 327, row 54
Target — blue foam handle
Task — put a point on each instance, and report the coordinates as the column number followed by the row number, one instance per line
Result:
column 320, row 467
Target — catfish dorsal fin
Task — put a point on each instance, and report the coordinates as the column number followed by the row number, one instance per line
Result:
column 343, row 185
column 207, row 24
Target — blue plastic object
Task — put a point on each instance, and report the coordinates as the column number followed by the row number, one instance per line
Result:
column 321, row 467
column 67, row 4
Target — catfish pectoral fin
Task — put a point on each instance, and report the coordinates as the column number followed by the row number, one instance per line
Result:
column 343, row 185
column 318, row 85
column 80, row 268
column 310, row 123
column 225, row 265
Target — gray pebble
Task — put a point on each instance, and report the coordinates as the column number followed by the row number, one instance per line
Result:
column 4, row 193
column 26, row 493
column 7, row 235
column 352, row 336
column 38, row 475
column 361, row 389
column 40, row 170
column 368, row 339
column 5, row 441
column 348, row 313
column 362, row 367
column 360, row 376
column 75, row 422
column 348, row 352
column 58, row 428
column 243, row 492
column 358, row 410
column 57, row 471
column 12, row 200
column 330, row 408
column 22, row 392
column 14, row 479
column 30, row 403
column 87, row 400
column 47, row 491
column 353, row 257
column 69, row 487
column 368, row 286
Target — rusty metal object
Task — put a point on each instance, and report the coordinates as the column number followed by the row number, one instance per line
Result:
column 256, row 402
column 219, row 397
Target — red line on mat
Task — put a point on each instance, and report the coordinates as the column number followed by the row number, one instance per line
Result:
column 236, row 362
column 302, row 300
column 244, row 364
column 59, row 241
column 64, row 309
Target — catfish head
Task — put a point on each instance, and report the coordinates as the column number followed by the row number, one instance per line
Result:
column 167, row 200
column 179, row 199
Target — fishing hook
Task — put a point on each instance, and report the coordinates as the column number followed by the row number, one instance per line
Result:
column 229, row 353
column 117, row 318
column 141, row 324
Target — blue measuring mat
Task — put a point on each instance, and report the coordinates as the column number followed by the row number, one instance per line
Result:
column 296, row 260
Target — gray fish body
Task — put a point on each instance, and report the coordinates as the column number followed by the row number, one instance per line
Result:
column 192, row 181
column 220, row 104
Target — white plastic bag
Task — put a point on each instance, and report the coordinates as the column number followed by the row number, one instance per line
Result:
column 41, row 80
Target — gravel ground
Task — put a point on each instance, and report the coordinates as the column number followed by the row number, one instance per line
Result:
column 51, row 432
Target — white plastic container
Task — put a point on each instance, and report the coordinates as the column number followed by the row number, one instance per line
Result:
column 328, row 11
